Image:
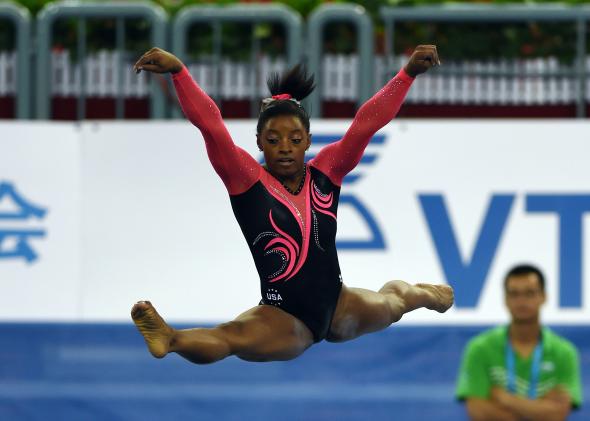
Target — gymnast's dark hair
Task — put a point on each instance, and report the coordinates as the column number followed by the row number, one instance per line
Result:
column 525, row 269
column 294, row 82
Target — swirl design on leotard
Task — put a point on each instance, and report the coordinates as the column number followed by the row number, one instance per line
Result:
column 284, row 245
column 316, row 230
column 264, row 234
column 322, row 201
column 292, row 253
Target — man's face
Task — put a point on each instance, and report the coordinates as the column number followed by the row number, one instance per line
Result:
column 524, row 297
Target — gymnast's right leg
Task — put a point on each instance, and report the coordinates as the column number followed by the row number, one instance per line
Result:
column 263, row 333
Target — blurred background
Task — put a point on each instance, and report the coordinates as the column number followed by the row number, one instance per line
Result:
column 107, row 197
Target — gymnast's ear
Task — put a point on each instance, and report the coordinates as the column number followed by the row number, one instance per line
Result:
column 308, row 141
column 258, row 142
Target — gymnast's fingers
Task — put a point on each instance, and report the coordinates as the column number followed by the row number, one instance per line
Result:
column 141, row 58
column 438, row 62
column 150, row 62
column 427, row 55
column 153, row 68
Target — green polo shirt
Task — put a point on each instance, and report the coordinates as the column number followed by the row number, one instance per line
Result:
column 484, row 366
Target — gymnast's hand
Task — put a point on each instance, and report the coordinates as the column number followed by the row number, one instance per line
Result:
column 423, row 58
column 158, row 61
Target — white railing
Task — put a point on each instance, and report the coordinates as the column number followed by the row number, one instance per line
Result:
column 460, row 86
column 339, row 77
column 101, row 76
column 463, row 86
column 236, row 80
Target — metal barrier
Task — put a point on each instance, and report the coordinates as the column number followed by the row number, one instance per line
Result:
column 215, row 16
column 253, row 13
column 317, row 21
column 119, row 11
column 22, row 22
column 499, row 13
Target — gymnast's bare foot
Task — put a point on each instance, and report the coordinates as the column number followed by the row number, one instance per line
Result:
column 155, row 330
column 440, row 297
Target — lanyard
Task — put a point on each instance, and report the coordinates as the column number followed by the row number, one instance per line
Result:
column 535, row 368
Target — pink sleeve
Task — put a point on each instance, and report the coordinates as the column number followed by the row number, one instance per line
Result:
column 339, row 158
column 238, row 170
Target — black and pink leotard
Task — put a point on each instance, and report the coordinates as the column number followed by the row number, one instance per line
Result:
column 292, row 237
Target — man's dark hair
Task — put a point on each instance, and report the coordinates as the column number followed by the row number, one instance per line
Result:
column 525, row 269
column 294, row 82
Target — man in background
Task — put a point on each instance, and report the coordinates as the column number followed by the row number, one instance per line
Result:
column 522, row 371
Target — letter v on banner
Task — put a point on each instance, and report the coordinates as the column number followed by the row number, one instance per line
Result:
column 466, row 278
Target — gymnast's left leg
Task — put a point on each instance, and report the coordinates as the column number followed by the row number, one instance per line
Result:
column 361, row 311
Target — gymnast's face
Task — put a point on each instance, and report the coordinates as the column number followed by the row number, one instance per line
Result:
column 284, row 141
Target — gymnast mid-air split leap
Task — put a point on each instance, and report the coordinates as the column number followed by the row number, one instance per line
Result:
column 287, row 212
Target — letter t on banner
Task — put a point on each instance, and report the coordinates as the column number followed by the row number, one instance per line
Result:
column 466, row 278
column 570, row 210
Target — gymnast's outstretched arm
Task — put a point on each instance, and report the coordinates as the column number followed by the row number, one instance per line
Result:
column 339, row 158
column 238, row 170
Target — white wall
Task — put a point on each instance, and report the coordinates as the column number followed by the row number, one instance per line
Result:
column 135, row 211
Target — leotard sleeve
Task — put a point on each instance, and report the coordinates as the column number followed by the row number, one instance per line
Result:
column 236, row 167
column 339, row 158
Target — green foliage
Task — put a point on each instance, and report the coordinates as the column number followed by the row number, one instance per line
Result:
column 304, row 7
column 461, row 41
column 173, row 6
column 33, row 5
column 456, row 41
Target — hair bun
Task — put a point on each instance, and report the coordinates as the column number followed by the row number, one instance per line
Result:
column 294, row 82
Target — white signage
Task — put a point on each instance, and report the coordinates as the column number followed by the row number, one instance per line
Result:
column 134, row 211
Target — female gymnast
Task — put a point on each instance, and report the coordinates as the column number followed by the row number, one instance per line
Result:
column 287, row 212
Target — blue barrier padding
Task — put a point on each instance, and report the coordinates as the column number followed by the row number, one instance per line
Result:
column 104, row 372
